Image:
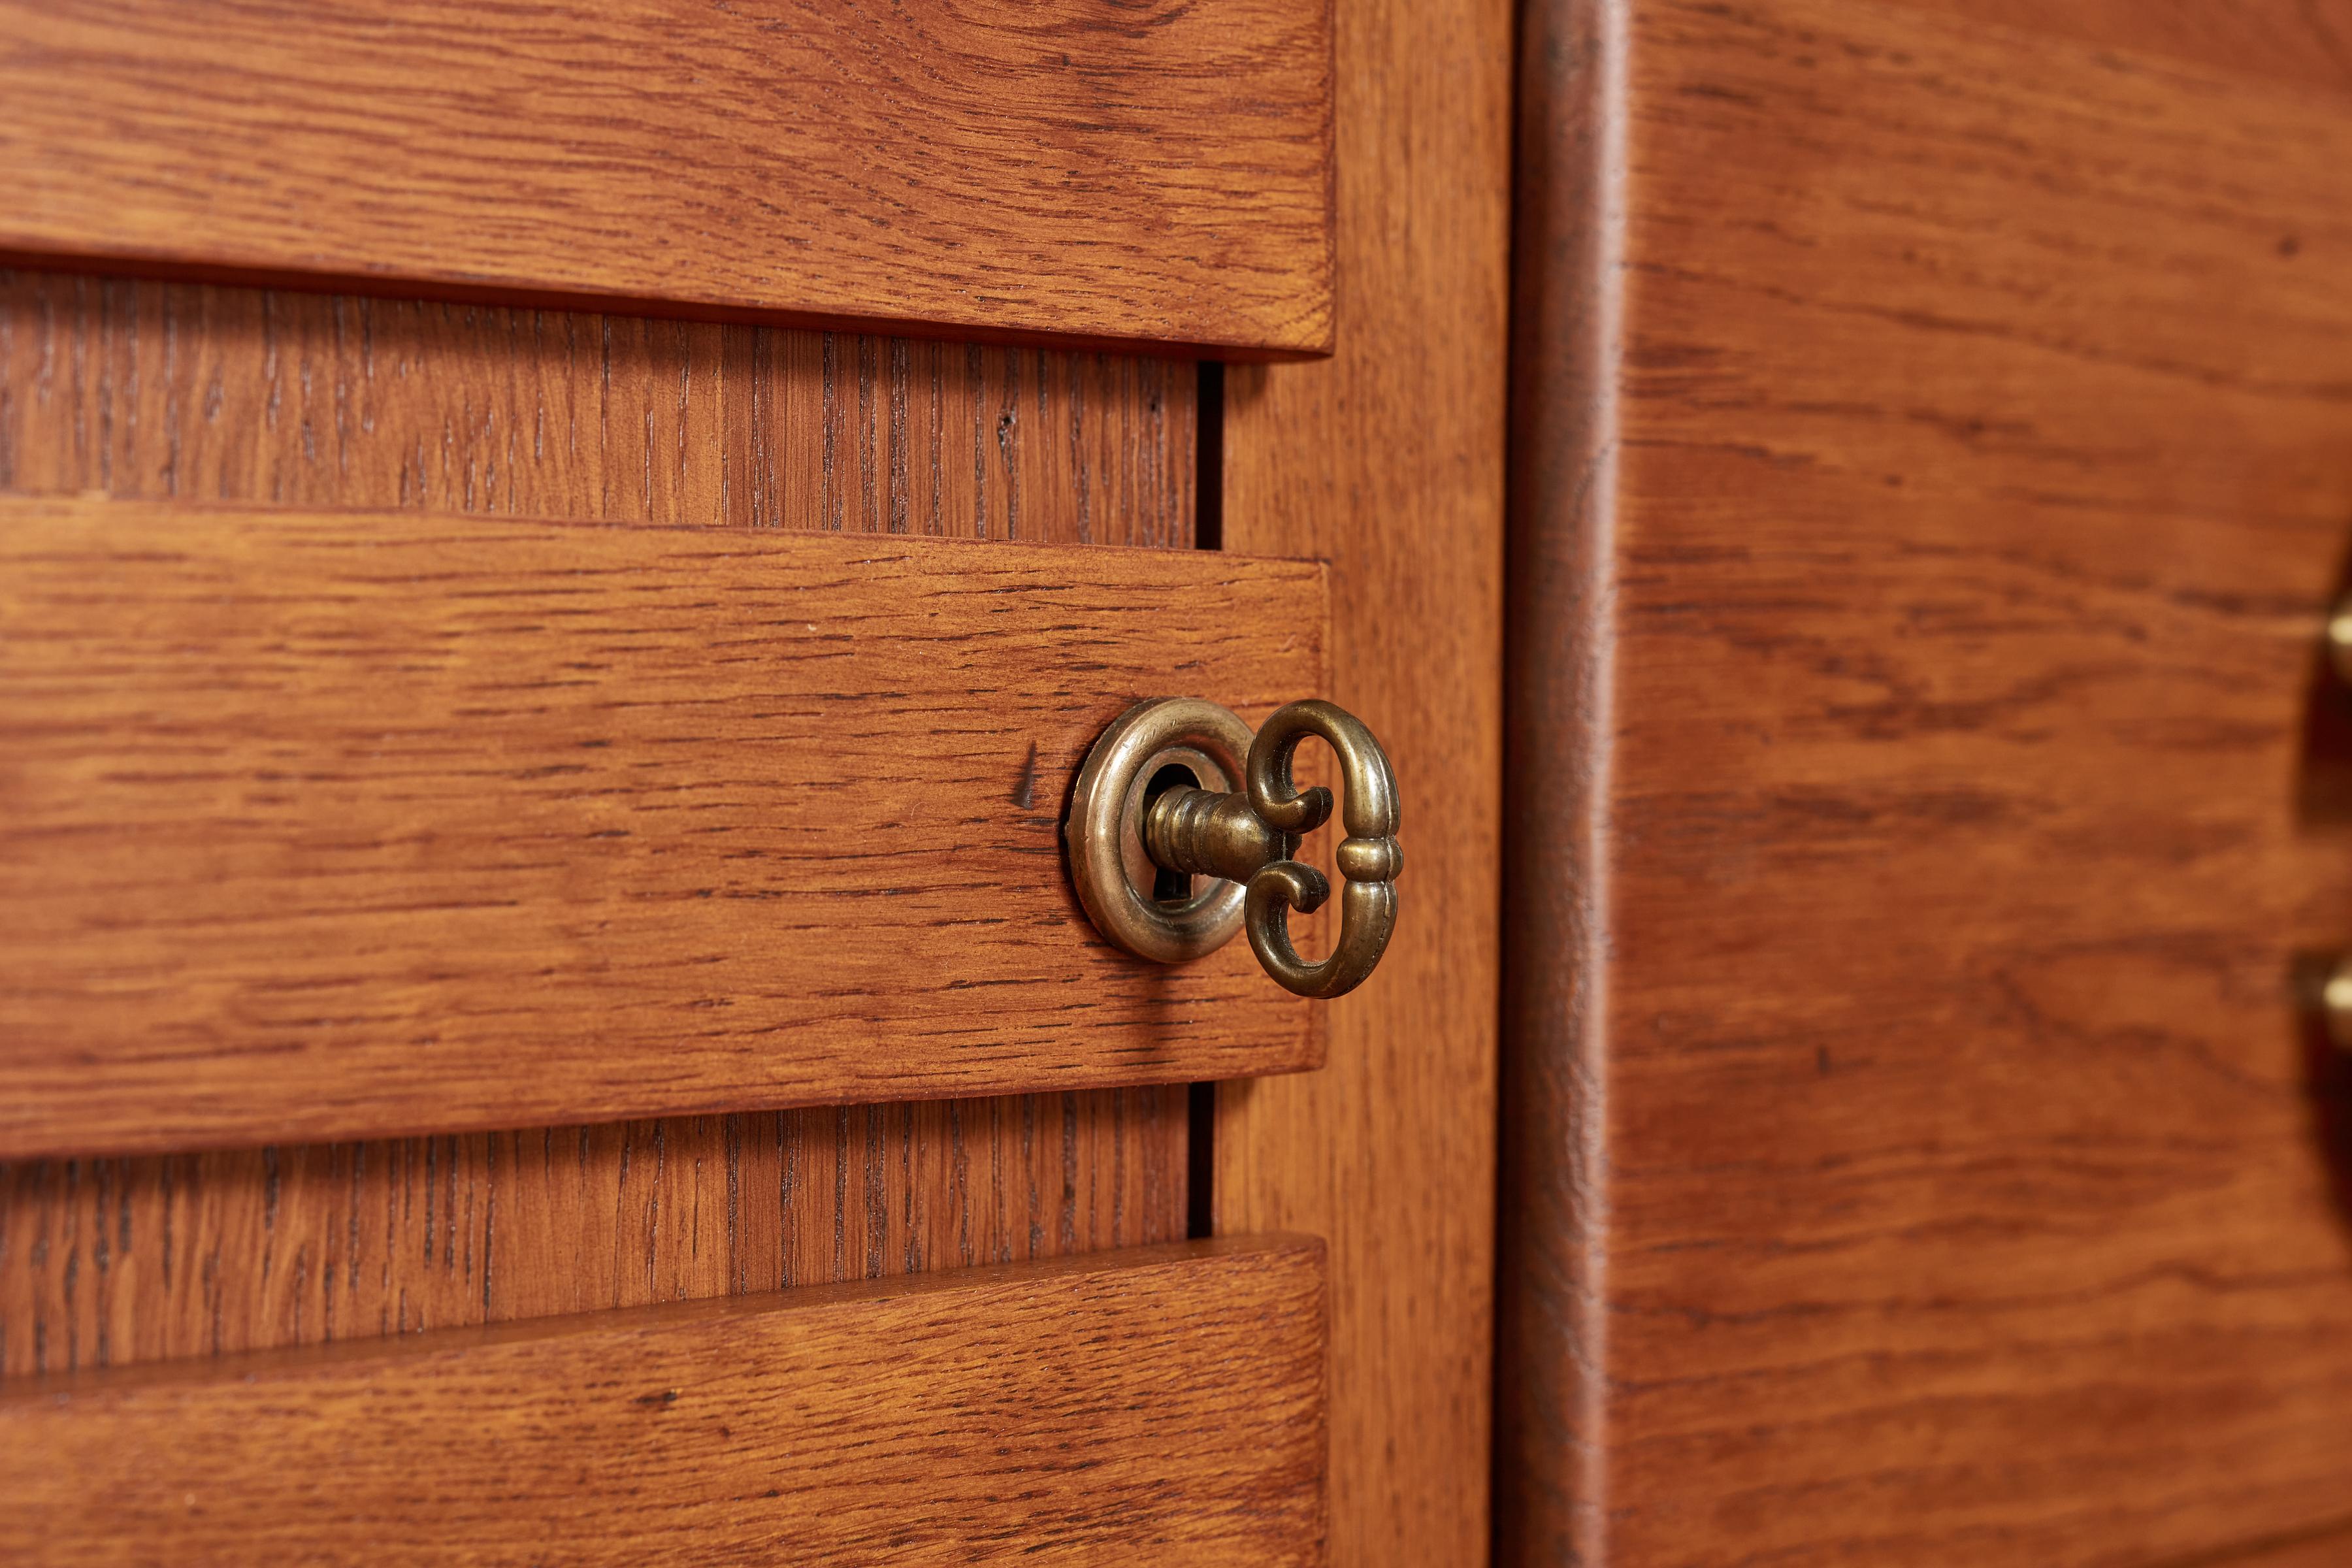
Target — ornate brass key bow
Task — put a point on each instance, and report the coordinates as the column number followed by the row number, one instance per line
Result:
column 1141, row 827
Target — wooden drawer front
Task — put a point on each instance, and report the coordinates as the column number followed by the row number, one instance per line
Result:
column 1108, row 171
column 1163, row 1405
column 1953, row 1175
column 318, row 827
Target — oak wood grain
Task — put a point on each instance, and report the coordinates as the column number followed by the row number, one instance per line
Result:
column 115, row 1262
column 1387, row 461
column 321, row 825
column 186, row 391
column 1158, row 172
column 183, row 391
column 2304, row 43
column 1946, row 478
column 1166, row 1402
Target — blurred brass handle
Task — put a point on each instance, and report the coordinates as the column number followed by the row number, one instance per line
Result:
column 2335, row 1004
column 2339, row 638
column 1139, row 810
column 2336, row 989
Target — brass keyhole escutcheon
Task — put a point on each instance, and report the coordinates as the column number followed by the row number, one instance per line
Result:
column 1233, row 832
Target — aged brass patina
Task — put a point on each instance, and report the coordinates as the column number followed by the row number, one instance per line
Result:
column 1143, row 834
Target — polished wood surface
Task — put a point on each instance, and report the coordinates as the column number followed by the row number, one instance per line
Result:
column 1157, row 173
column 1940, row 486
column 1551, row 1463
column 1389, row 462
column 337, row 825
column 108, row 1263
column 2305, row 43
column 175, row 391
column 167, row 390
column 1165, row 1405
column 2325, row 1548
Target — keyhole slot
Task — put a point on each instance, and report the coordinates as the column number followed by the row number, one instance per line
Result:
column 1170, row 887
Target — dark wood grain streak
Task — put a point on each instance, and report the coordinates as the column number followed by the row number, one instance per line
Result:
column 121, row 1261
column 1144, row 173
column 162, row 391
column 2326, row 1546
column 1949, row 450
column 1165, row 1405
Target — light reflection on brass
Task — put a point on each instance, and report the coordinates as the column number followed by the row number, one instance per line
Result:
column 1240, row 838
column 2335, row 1004
column 2339, row 638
